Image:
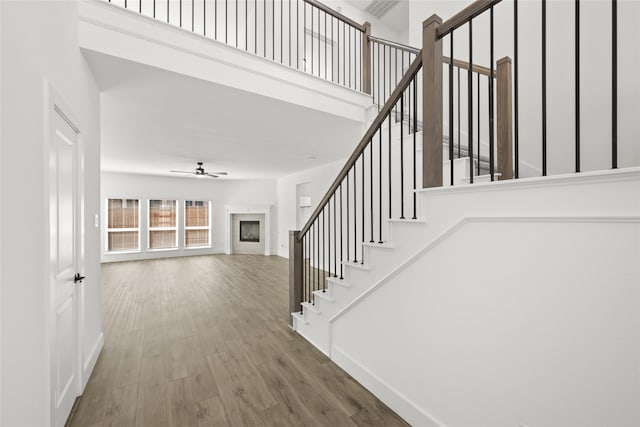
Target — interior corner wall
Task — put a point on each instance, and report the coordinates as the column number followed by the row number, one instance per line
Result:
column 39, row 43
column 220, row 193
column 319, row 179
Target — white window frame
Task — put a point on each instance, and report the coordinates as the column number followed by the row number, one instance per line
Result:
column 109, row 230
column 208, row 228
column 150, row 229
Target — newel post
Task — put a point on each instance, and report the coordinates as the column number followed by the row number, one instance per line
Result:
column 366, row 59
column 295, row 274
column 505, row 118
column 431, row 103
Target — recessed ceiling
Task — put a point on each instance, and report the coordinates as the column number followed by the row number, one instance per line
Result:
column 153, row 121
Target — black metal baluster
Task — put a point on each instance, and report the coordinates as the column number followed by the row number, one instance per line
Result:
column 380, row 183
column 338, row 45
column 341, row 217
column 362, row 206
column 304, row 35
column 332, row 53
column 459, row 138
column 246, row 25
column 264, row 28
column 379, row 103
column 325, row 45
column 478, row 133
column 298, row 34
column 324, row 266
column 577, row 83
column 255, row 27
column 515, row 89
column 235, row 9
column 281, row 33
column 192, row 16
column 350, row 56
column 344, row 58
column 311, row 39
column 329, row 234
column 167, row 11
column 614, row 84
column 384, row 76
column 139, row 6
column 371, row 187
column 204, row 17
column 390, row 122
column 335, row 240
column 154, row 7
column 226, row 19
column 313, row 275
column 544, row 87
column 451, row 139
column 347, row 233
column 317, row 284
column 470, row 102
column 289, row 39
column 305, row 268
column 401, row 156
column 415, row 131
column 273, row 30
column 491, row 98
column 180, row 15
column 355, row 213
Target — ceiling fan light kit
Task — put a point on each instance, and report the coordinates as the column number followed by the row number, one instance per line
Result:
column 200, row 172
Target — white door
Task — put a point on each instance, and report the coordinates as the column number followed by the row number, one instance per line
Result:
column 64, row 260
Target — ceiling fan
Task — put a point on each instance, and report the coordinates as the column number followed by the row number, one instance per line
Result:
column 199, row 171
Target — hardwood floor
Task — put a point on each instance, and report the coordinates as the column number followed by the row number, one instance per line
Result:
column 204, row 341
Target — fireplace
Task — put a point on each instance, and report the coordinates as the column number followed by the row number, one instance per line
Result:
column 252, row 240
column 250, row 231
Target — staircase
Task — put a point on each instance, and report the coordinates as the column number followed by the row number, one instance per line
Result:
column 432, row 284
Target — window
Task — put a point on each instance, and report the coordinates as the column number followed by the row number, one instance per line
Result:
column 197, row 229
column 123, row 225
column 163, row 224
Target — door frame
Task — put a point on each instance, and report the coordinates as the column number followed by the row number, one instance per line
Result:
column 55, row 104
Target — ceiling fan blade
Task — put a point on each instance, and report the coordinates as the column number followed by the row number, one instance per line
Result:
column 211, row 175
column 181, row 171
column 219, row 173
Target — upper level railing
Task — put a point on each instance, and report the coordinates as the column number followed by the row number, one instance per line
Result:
column 303, row 34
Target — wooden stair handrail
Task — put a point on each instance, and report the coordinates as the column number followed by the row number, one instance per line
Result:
column 464, row 16
column 335, row 14
column 369, row 134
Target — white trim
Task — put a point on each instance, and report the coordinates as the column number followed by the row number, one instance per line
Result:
column 610, row 175
column 400, row 404
column 92, row 359
column 455, row 228
column 257, row 209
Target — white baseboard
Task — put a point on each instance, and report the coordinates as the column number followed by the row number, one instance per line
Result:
column 91, row 360
column 409, row 411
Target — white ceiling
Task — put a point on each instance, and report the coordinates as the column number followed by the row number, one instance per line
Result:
column 154, row 120
column 393, row 13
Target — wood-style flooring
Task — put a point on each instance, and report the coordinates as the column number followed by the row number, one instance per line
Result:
column 204, row 341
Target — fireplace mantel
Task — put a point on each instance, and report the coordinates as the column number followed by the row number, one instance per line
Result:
column 253, row 209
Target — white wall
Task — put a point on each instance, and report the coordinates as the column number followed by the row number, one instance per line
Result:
column 319, row 179
column 595, row 77
column 517, row 301
column 221, row 193
column 39, row 42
